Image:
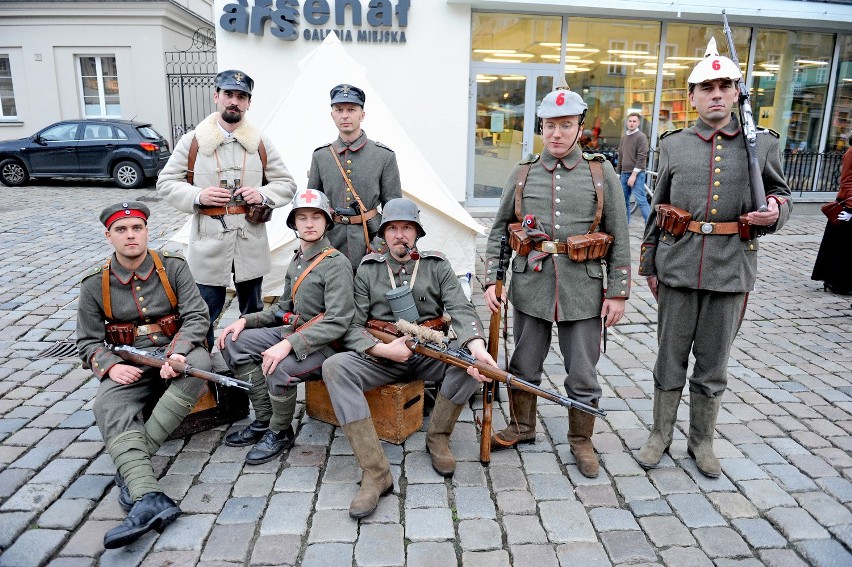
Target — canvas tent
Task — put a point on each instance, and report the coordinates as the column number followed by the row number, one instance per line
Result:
column 301, row 122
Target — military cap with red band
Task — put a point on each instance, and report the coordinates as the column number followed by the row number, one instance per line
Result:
column 125, row 210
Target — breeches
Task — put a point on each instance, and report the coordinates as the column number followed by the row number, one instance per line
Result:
column 703, row 322
column 579, row 343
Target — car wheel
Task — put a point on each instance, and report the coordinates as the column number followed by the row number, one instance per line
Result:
column 128, row 175
column 13, row 173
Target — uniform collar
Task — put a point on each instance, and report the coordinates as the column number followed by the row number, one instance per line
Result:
column 340, row 146
column 568, row 162
column 707, row 132
column 315, row 249
column 396, row 265
column 124, row 275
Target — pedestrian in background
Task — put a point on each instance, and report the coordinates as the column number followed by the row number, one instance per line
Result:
column 632, row 161
column 833, row 266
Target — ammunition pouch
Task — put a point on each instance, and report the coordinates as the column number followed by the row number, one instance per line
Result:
column 672, row 219
column 592, row 246
column 518, row 239
column 121, row 333
column 126, row 333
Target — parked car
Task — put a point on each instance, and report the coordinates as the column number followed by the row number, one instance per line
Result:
column 125, row 150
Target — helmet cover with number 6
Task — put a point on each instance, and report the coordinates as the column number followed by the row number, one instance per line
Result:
column 714, row 66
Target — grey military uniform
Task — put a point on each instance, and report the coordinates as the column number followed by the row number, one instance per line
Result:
column 705, row 279
column 327, row 292
column 560, row 194
column 436, row 290
column 372, row 169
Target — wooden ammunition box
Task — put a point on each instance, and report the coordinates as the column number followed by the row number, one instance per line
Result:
column 396, row 409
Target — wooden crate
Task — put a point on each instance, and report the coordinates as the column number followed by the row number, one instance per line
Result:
column 396, row 409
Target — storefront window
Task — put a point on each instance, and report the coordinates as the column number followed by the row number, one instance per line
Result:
column 841, row 117
column 791, row 72
column 516, row 38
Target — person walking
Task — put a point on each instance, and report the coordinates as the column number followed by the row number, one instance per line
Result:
column 632, row 161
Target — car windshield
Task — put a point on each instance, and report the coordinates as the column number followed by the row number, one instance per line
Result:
column 148, row 132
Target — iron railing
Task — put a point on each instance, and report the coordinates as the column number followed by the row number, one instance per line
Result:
column 812, row 172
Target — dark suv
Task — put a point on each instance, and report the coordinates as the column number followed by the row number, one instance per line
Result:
column 125, row 150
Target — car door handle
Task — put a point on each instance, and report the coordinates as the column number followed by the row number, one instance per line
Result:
column 109, row 146
column 71, row 149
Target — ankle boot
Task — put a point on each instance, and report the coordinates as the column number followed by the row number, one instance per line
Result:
column 376, row 480
column 665, row 416
column 521, row 428
column 703, row 411
column 441, row 425
column 154, row 511
column 249, row 435
column 270, row 446
column 580, row 428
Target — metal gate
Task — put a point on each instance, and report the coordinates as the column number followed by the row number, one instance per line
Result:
column 191, row 78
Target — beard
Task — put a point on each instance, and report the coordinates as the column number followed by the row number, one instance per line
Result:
column 232, row 116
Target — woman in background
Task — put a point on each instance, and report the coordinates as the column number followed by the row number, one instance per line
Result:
column 832, row 264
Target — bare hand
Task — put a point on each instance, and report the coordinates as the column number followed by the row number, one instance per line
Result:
column 275, row 354
column 236, row 328
column 477, row 349
column 166, row 371
column 653, row 285
column 396, row 351
column 613, row 310
column 767, row 218
column 249, row 195
column 124, row 374
column 491, row 298
column 214, row 197
column 631, row 181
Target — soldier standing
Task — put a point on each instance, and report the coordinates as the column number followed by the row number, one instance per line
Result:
column 435, row 289
column 151, row 303
column 229, row 176
column 356, row 173
column 289, row 344
column 561, row 193
column 702, row 270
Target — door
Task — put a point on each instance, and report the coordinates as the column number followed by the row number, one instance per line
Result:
column 98, row 142
column 504, row 129
column 55, row 151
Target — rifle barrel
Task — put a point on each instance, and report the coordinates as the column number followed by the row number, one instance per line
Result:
column 138, row 356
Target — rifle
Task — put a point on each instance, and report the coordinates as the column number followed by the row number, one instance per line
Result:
column 489, row 388
column 144, row 358
column 758, row 192
column 433, row 344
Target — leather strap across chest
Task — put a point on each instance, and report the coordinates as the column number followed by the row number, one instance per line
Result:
column 310, row 267
column 161, row 273
column 193, row 154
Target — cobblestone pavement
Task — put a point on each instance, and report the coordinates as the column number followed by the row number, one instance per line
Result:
column 784, row 437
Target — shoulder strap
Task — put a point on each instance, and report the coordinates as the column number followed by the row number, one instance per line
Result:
column 190, row 161
column 261, row 149
column 354, row 194
column 597, row 178
column 161, row 272
column 105, row 290
column 312, row 265
column 523, row 172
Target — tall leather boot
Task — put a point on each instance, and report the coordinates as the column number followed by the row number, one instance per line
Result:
column 441, row 425
column 376, row 480
column 581, row 425
column 660, row 439
column 280, row 435
column 259, row 396
column 521, row 428
column 172, row 407
column 703, row 412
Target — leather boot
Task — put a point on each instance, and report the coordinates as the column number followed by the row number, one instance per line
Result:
column 154, row 511
column 124, row 499
column 581, row 425
column 270, row 446
column 521, row 428
column 441, row 425
column 252, row 433
column 703, row 411
column 376, row 478
column 665, row 416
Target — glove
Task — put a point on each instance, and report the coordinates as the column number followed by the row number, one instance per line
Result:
column 844, row 216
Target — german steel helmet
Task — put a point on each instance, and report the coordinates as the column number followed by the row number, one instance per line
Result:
column 561, row 102
column 714, row 66
column 310, row 199
column 401, row 210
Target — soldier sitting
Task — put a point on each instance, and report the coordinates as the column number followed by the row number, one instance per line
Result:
column 151, row 303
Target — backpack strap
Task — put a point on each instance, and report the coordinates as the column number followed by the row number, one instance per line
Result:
column 193, row 154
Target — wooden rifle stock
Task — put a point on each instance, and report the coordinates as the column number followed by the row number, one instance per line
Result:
column 138, row 356
column 488, row 389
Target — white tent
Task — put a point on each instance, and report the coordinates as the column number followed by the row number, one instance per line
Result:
column 301, row 122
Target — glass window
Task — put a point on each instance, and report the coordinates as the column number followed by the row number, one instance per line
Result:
column 516, row 38
column 60, row 133
column 99, row 86
column 613, row 65
column 790, row 84
column 7, row 93
column 841, row 118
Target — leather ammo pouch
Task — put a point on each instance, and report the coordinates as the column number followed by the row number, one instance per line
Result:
column 518, row 239
column 673, row 220
column 258, row 213
column 120, row 333
column 592, row 245
column 169, row 325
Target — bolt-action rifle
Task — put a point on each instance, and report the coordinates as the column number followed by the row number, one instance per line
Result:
column 144, row 358
column 489, row 388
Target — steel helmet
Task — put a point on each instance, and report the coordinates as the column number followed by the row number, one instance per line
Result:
column 401, row 210
column 714, row 66
column 310, row 199
column 562, row 102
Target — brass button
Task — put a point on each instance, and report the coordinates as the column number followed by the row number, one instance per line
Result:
column 153, row 337
column 718, row 146
column 718, row 137
column 718, row 158
column 144, row 310
column 751, row 246
column 715, row 197
column 138, row 288
column 348, row 161
column 712, row 211
column 348, row 171
column 623, row 293
column 717, row 170
column 96, row 365
column 624, row 271
column 716, row 183
column 348, row 199
column 141, row 298
column 348, row 190
column 623, row 282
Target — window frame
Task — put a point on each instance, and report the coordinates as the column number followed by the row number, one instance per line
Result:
column 101, row 88
column 15, row 116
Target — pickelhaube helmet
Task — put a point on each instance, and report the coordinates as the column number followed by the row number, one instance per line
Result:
column 310, row 199
column 401, row 210
column 714, row 66
column 562, row 102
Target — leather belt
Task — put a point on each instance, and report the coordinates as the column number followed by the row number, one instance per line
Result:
column 355, row 219
column 150, row 329
column 226, row 210
column 713, row 227
column 437, row 324
column 551, row 247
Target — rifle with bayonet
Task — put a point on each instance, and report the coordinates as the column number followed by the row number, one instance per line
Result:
column 489, row 388
column 433, row 344
column 144, row 358
column 758, row 192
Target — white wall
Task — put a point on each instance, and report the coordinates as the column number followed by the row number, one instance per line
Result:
column 424, row 81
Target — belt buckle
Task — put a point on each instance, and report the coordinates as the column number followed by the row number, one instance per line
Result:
column 344, row 220
column 142, row 330
column 549, row 247
column 707, row 227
